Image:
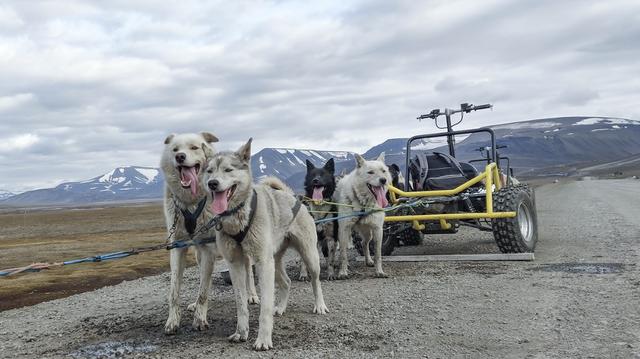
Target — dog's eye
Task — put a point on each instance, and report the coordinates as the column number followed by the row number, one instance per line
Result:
column 370, row 172
column 209, row 171
column 175, row 149
column 194, row 148
column 228, row 169
column 383, row 171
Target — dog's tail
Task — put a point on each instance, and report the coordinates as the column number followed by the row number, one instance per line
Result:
column 276, row 184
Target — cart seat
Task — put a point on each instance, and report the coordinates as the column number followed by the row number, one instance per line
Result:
column 439, row 171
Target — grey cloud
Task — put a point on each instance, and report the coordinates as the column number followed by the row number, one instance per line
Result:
column 109, row 80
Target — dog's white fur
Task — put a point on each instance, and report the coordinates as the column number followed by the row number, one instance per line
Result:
column 195, row 147
column 272, row 231
column 353, row 190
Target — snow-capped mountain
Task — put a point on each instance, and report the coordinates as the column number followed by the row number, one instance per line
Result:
column 531, row 146
column 284, row 162
column 4, row 194
column 119, row 184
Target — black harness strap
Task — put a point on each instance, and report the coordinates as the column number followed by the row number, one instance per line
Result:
column 191, row 219
column 295, row 209
column 239, row 237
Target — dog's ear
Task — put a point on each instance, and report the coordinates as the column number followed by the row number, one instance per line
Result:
column 209, row 137
column 310, row 166
column 381, row 157
column 208, row 151
column 244, row 152
column 395, row 167
column 359, row 161
column 330, row 166
column 169, row 138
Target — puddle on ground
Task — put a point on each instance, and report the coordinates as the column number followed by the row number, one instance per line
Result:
column 113, row 350
column 587, row 268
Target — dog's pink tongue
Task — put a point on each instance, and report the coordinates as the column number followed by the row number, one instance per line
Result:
column 317, row 194
column 220, row 203
column 381, row 196
column 189, row 177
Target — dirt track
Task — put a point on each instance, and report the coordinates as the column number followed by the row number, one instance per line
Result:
column 580, row 298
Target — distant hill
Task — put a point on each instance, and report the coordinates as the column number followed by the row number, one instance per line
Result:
column 119, row 184
column 4, row 194
column 541, row 145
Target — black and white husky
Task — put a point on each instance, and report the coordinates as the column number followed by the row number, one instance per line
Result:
column 320, row 186
column 259, row 221
column 364, row 189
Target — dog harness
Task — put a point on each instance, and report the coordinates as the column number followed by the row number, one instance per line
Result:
column 240, row 236
column 191, row 219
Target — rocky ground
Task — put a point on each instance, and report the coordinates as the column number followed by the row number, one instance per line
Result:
column 578, row 299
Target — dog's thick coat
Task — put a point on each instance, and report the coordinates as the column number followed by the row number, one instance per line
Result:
column 270, row 228
column 320, row 186
column 363, row 189
column 183, row 157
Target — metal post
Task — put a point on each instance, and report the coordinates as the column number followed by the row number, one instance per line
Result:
column 451, row 140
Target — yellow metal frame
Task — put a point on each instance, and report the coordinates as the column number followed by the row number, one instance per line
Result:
column 491, row 176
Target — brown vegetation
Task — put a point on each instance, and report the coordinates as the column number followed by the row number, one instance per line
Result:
column 57, row 235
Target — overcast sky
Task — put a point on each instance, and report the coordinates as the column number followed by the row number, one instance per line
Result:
column 88, row 86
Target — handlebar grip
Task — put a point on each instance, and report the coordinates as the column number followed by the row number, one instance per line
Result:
column 482, row 107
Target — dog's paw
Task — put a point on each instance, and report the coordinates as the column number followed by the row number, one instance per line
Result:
column 200, row 324
column 237, row 337
column 331, row 276
column 370, row 263
column 279, row 311
column 303, row 278
column 253, row 299
column 263, row 344
column 192, row 307
column 382, row 275
column 172, row 326
column 320, row 309
column 343, row 275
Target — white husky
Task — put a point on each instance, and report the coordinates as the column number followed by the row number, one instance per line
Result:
column 364, row 189
column 185, row 211
column 259, row 221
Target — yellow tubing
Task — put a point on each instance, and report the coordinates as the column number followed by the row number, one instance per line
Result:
column 436, row 217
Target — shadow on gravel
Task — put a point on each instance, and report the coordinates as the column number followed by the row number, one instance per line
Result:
column 580, row 268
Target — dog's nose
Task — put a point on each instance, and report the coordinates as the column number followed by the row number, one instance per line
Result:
column 213, row 184
column 180, row 157
column 315, row 181
column 383, row 180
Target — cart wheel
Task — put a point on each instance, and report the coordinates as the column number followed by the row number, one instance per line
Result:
column 389, row 243
column 518, row 234
column 411, row 237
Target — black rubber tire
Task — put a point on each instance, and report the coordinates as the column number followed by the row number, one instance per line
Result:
column 389, row 243
column 411, row 237
column 518, row 234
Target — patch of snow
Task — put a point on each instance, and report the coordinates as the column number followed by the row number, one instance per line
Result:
column 281, row 151
column 317, row 155
column 262, row 165
column 106, row 177
column 306, row 153
column 121, row 170
column 600, row 129
column 615, row 126
column 518, row 126
column 570, row 134
column 128, row 183
column 608, row 121
column 149, row 173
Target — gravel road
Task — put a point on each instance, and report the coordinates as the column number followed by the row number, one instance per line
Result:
column 578, row 299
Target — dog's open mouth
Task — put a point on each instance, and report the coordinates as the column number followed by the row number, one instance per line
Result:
column 380, row 194
column 189, row 177
column 317, row 195
column 221, row 199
